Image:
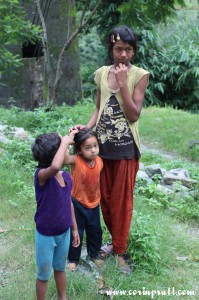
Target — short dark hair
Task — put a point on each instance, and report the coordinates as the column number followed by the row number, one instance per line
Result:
column 81, row 137
column 126, row 34
column 45, row 147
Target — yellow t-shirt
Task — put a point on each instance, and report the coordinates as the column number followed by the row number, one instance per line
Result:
column 86, row 182
column 101, row 79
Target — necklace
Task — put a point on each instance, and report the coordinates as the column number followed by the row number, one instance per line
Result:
column 90, row 163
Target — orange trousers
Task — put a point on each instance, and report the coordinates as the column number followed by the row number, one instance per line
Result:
column 117, row 184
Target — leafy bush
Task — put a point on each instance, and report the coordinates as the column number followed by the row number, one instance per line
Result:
column 173, row 61
column 19, row 151
column 14, row 29
column 92, row 54
column 184, row 205
column 152, row 195
column 143, row 245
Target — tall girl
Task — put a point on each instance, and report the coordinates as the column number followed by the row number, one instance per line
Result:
column 120, row 95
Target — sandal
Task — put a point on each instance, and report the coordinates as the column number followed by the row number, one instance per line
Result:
column 106, row 250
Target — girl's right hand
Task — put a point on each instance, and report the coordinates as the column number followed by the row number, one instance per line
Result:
column 76, row 238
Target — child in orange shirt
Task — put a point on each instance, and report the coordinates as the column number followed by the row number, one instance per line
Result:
column 86, row 167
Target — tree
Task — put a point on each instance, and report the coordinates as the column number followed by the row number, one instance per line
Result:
column 138, row 14
column 14, row 29
column 144, row 14
column 86, row 16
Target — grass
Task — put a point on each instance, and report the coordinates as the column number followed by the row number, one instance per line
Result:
column 166, row 128
column 177, row 246
column 171, row 130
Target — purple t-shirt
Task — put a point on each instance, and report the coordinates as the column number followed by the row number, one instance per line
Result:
column 53, row 215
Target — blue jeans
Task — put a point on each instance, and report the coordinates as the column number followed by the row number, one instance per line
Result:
column 51, row 253
column 87, row 219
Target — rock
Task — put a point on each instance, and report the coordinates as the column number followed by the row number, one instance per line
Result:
column 164, row 189
column 3, row 138
column 181, row 175
column 20, row 133
column 3, row 127
column 141, row 166
column 153, row 170
column 142, row 175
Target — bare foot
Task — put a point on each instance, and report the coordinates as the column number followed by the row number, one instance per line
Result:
column 121, row 261
column 72, row 266
column 123, row 265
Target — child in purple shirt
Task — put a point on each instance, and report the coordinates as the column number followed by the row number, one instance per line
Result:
column 55, row 213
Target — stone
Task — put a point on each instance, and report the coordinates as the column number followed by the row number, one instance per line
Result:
column 153, row 170
column 20, row 133
column 181, row 175
column 142, row 175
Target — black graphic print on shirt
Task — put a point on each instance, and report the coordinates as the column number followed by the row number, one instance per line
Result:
column 113, row 132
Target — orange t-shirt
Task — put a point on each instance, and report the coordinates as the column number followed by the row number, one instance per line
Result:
column 86, row 182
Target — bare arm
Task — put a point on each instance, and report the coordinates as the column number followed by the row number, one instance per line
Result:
column 58, row 160
column 71, row 159
column 94, row 116
column 76, row 239
column 132, row 103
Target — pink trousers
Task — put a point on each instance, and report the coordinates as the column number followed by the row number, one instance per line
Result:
column 117, row 184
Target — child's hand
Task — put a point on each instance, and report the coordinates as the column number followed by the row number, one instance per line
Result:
column 77, row 127
column 76, row 239
column 73, row 131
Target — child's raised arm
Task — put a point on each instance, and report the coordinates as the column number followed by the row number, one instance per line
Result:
column 58, row 160
column 70, row 159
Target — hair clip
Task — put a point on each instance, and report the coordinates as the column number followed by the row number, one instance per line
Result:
column 118, row 37
column 112, row 39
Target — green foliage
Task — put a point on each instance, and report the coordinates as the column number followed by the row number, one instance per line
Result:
column 88, row 84
column 184, row 205
column 92, row 54
column 164, row 50
column 152, row 194
column 19, row 150
column 142, row 14
column 168, row 120
column 14, row 29
column 157, row 238
column 143, row 244
column 173, row 61
column 176, row 131
column 135, row 13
